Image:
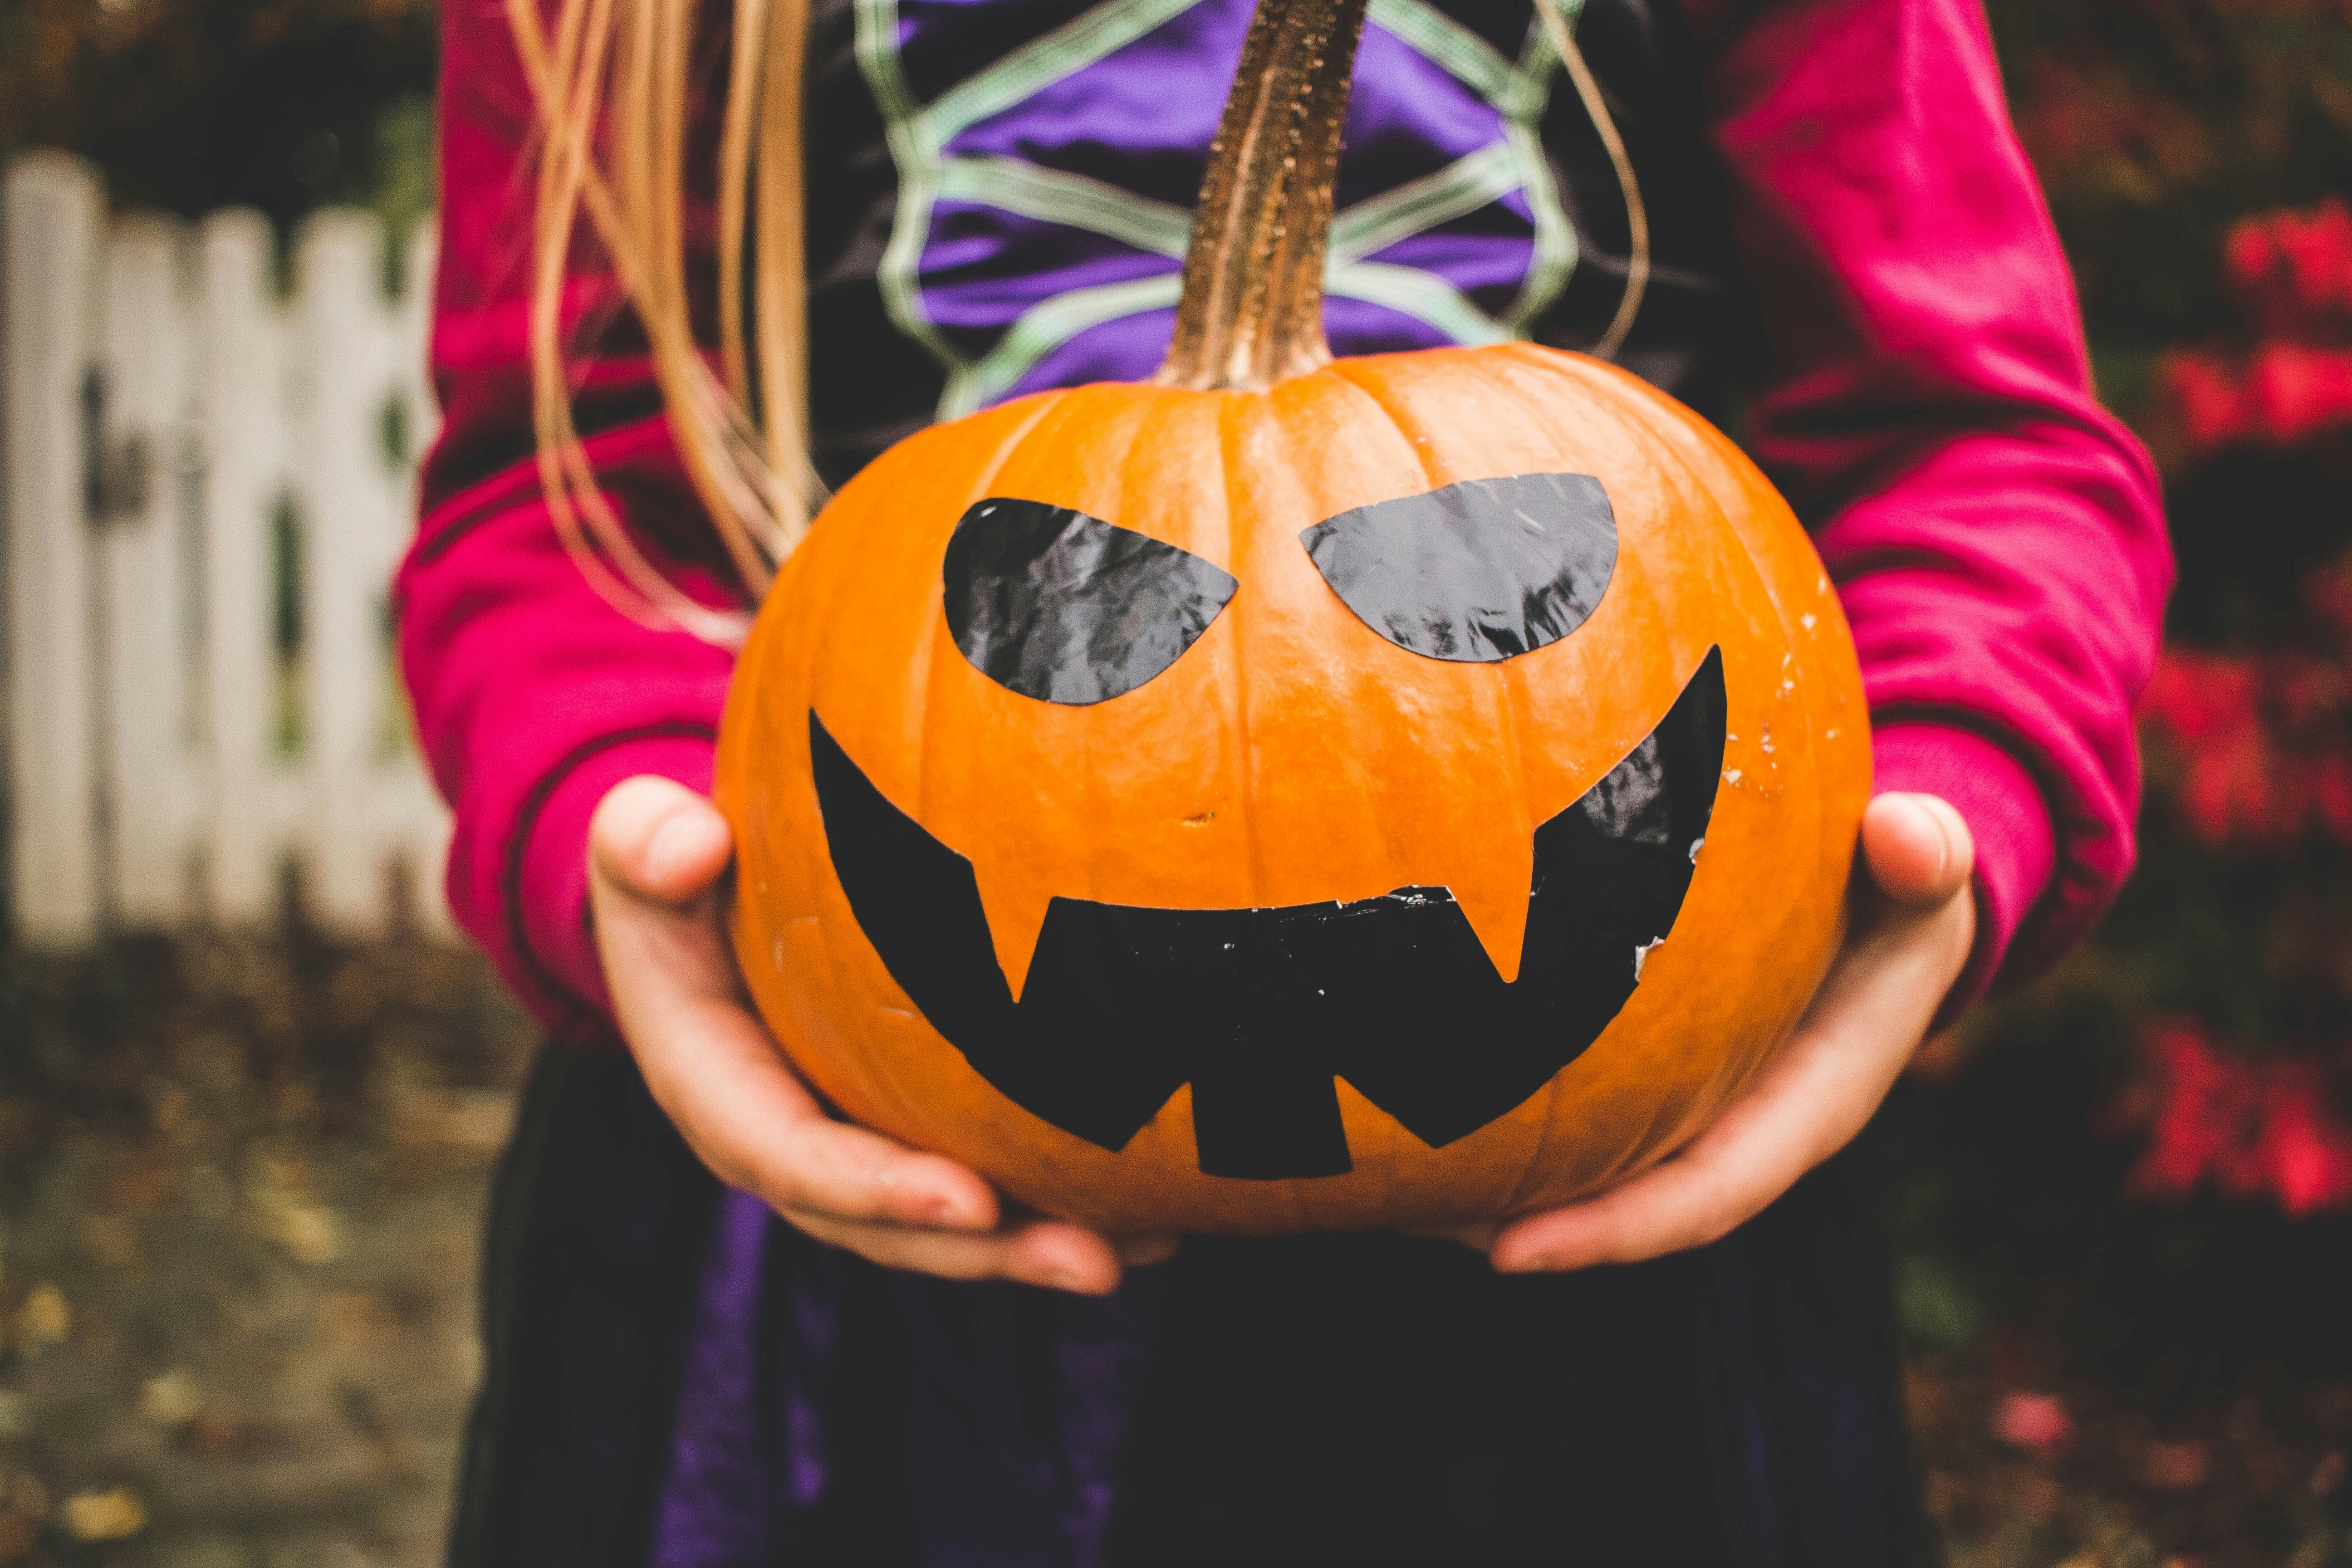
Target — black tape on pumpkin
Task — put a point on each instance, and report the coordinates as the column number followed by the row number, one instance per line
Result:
column 1476, row 572
column 1063, row 607
column 1260, row 1009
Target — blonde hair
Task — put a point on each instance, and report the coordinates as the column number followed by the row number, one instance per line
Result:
column 612, row 81
column 615, row 103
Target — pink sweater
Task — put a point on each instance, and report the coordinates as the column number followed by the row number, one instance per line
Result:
column 1996, row 536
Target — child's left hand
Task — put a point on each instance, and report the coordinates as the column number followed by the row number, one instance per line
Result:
column 1914, row 923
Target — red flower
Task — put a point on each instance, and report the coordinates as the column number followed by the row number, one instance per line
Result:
column 2037, row 1423
column 2263, row 744
column 2198, row 696
column 2249, row 1129
column 2203, row 1104
column 2307, row 1151
column 2283, row 393
column 2294, row 267
column 2293, row 391
column 2201, row 393
column 2294, row 270
column 2331, row 790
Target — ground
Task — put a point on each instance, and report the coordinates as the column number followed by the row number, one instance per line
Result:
column 240, row 1183
column 241, row 1190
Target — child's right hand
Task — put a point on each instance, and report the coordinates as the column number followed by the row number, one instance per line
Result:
column 655, row 853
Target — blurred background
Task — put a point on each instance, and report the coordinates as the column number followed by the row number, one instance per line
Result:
column 239, row 1174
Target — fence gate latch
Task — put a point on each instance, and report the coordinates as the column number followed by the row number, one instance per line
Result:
column 117, row 471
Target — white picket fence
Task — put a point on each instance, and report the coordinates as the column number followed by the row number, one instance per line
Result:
column 188, row 459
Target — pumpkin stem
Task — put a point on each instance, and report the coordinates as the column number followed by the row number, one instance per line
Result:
column 1252, row 311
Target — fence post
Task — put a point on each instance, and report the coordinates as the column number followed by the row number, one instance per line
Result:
column 156, row 435
column 241, row 395
column 420, row 823
column 53, row 208
column 351, row 528
column 144, row 549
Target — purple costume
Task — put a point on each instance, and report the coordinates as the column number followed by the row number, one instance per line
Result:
column 1846, row 235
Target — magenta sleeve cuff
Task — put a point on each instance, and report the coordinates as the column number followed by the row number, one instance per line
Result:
column 2016, row 849
column 550, row 896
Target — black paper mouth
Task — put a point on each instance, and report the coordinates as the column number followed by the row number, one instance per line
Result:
column 1259, row 1009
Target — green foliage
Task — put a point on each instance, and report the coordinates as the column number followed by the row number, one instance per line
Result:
column 285, row 105
column 2156, row 123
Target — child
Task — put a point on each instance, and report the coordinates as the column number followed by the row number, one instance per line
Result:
column 870, row 1362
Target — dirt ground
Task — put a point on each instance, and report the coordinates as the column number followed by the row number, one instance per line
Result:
column 240, row 1184
column 241, row 1187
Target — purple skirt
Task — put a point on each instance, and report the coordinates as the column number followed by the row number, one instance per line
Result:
column 676, row 1379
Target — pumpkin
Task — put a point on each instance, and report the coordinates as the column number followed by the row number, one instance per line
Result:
column 1296, row 793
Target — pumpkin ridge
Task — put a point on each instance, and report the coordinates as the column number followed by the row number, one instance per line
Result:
column 1503, row 682
column 1162, row 413
column 1648, row 408
column 1815, row 650
column 1623, row 392
column 1307, row 399
column 931, row 651
column 1040, row 407
column 1234, row 413
column 1634, row 422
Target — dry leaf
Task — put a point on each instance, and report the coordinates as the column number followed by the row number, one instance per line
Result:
column 44, row 1318
column 111, row 1515
column 312, row 1233
column 112, row 1239
column 170, row 1399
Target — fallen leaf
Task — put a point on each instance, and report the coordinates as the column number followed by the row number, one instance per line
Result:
column 217, row 1434
column 44, row 1318
column 354, row 1318
column 464, row 1122
column 170, row 1399
column 112, row 1239
column 312, row 1233
column 114, row 1514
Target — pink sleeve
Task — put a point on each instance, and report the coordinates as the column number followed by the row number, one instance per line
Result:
column 532, row 695
column 1996, row 536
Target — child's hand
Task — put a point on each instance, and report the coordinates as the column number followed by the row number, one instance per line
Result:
column 656, row 851
column 1914, row 922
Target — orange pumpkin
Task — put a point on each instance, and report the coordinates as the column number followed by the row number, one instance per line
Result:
column 1297, row 793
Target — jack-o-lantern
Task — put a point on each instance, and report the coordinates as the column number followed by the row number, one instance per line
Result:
column 1296, row 793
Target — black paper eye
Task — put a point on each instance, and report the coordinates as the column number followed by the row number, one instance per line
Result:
column 1054, row 604
column 1479, row 571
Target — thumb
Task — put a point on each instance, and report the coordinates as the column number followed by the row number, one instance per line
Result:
column 658, row 839
column 1918, row 847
